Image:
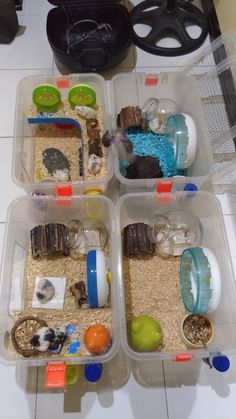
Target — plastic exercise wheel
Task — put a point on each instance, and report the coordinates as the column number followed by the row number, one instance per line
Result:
column 46, row 97
column 200, row 280
column 168, row 19
column 23, row 330
column 82, row 95
column 182, row 130
column 97, row 285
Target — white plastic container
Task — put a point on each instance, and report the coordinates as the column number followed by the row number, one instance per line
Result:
column 142, row 207
column 24, row 147
column 23, row 215
column 134, row 90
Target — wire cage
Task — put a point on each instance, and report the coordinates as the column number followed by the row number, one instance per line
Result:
column 215, row 72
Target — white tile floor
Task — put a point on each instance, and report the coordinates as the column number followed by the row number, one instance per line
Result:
column 183, row 391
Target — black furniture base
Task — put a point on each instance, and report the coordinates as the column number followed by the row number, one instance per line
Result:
column 169, row 19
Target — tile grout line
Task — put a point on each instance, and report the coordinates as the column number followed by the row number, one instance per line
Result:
column 21, row 15
column 52, row 65
column 164, row 379
column 36, row 394
column 25, row 69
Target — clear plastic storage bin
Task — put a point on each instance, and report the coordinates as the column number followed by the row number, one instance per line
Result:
column 23, row 215
column 134, row 90
column 141, row 208
column 205, row 89
column 24, row 152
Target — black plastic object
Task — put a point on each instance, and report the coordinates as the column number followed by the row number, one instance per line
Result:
column 18, row 5
column 168, row 19
column 8, row 21
column 88, row 36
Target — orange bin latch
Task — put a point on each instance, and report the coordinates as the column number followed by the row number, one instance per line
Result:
column 64, row 194
column 183, row 358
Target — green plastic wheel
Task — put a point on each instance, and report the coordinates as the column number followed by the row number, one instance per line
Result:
column 47, row 98
column 82, row 95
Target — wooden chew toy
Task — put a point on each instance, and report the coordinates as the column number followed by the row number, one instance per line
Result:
column 136, row 241
column 49, row 239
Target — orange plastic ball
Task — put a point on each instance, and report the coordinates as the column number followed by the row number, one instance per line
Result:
column 97, row 339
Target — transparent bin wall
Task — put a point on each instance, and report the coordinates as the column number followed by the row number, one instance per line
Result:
column 23, row 215
column 142, row 207
column 131, row 90
column 23, row 151
column 215, row 72
column 230, row 222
